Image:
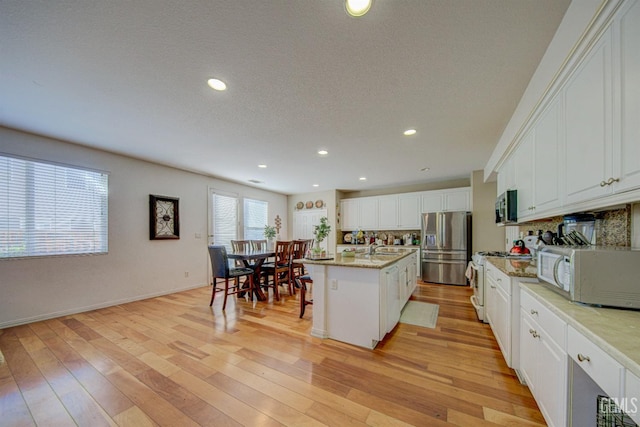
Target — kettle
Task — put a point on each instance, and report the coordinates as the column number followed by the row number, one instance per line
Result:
column 519, row 248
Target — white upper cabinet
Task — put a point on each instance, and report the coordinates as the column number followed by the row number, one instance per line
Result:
column 626, row 166
column 548, row 158
column 388, row 212
column 454, row 199
column 368, row 213
column 588, row 108
column 586, row 139
column 523, row 159
column 432, row 201
column 409, row 211
column 400, row 211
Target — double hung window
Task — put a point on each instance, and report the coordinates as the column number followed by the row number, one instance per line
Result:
column 51, row 209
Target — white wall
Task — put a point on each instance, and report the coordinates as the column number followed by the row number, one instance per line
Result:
column 135, row 267
column 486, row 235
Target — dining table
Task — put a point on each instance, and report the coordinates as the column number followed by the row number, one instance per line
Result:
column 254, row 260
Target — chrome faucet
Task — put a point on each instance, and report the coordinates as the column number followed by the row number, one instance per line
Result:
column 372, row 249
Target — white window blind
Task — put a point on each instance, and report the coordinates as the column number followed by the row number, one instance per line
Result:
column 225, row 220
column 48, row 209
column 255, row 218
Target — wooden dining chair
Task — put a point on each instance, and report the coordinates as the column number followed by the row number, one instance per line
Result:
column 279, row 268
column 259, row 245
column 221, row 270
column 302, row 282
column 239, row 246
column 298, row 251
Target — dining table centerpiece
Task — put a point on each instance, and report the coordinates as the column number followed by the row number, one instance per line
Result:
column 269, row 234
column 320, row 231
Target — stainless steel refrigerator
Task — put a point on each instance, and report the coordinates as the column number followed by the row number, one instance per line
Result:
column 446, row 247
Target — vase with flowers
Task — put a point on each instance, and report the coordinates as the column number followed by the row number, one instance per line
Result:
column 320, row 231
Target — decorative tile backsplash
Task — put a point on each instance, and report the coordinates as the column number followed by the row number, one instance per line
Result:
column 612, row 228
column 390, row 234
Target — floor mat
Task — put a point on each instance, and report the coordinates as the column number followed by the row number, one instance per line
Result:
column 420, row 314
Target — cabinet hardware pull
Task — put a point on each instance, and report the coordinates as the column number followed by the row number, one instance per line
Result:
column 603, row 183
column 534, row 333
column 499, row 280
column 492, row 287
column 612, row 180
column 582, row 358
column 533, row 311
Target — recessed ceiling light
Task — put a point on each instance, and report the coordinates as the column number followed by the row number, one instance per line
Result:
column 409, row 132
column 363, row 178
column 262, row 166
column 323, row 152
column 424, row 169
column 316, row 185
column 217, row 84
column 357, row 7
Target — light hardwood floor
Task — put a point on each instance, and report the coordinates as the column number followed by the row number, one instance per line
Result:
column 174, row 361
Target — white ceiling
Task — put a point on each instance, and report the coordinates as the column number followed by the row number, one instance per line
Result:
column 129, row 76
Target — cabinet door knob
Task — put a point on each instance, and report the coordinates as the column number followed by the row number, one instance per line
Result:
column 534, row 333
column 492, row 287
column 533, row 311
column 583, row 358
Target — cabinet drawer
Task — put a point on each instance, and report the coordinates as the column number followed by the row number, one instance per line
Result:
column 498, row 278
column 601, row 367
column 555, row 327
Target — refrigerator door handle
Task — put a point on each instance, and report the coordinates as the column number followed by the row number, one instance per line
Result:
column 440, row 261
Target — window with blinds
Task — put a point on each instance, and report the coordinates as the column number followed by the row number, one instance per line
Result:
column 225, row 220
column 48, row 209
column 255, row 218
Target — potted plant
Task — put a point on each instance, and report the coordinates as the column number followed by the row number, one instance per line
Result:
column 269, row 234
column 321, row 231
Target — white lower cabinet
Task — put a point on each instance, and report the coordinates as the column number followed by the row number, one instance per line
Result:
column 543, row 359
column 632, row 395
column 502, row 308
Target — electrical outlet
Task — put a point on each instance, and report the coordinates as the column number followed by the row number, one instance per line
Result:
column 186, row 274
column 334, row 284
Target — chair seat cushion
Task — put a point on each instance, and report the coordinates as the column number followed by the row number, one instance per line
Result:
column 272, row 265
column 234, row 272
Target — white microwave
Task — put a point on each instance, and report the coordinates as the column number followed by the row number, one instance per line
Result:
column 596, row 275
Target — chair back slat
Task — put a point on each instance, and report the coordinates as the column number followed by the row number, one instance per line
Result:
column 283, row 252
column 240, row 245
column 219, row 261
column 259, row 245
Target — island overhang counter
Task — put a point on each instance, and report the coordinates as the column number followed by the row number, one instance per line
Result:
column 358, row 299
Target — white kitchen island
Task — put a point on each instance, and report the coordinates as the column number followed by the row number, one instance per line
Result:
column 358, row 299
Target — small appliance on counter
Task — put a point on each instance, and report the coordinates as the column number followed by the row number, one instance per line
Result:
column 596, row 275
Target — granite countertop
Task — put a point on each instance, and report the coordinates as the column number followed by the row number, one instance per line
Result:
column 515, row 267
column 615, row 331
column 362, row 260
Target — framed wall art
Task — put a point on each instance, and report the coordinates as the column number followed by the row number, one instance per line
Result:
column 164, row 217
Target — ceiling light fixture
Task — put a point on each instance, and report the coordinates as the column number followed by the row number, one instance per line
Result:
column 323, row 152
column 316, row 185
column 410, row 132
column 424, row 169
column 217, row 84
column 262, row 166
column 357, row 8
column 363, row 178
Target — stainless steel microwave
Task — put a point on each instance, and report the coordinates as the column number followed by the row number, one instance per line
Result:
column 507, row 207
column 597, row 275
